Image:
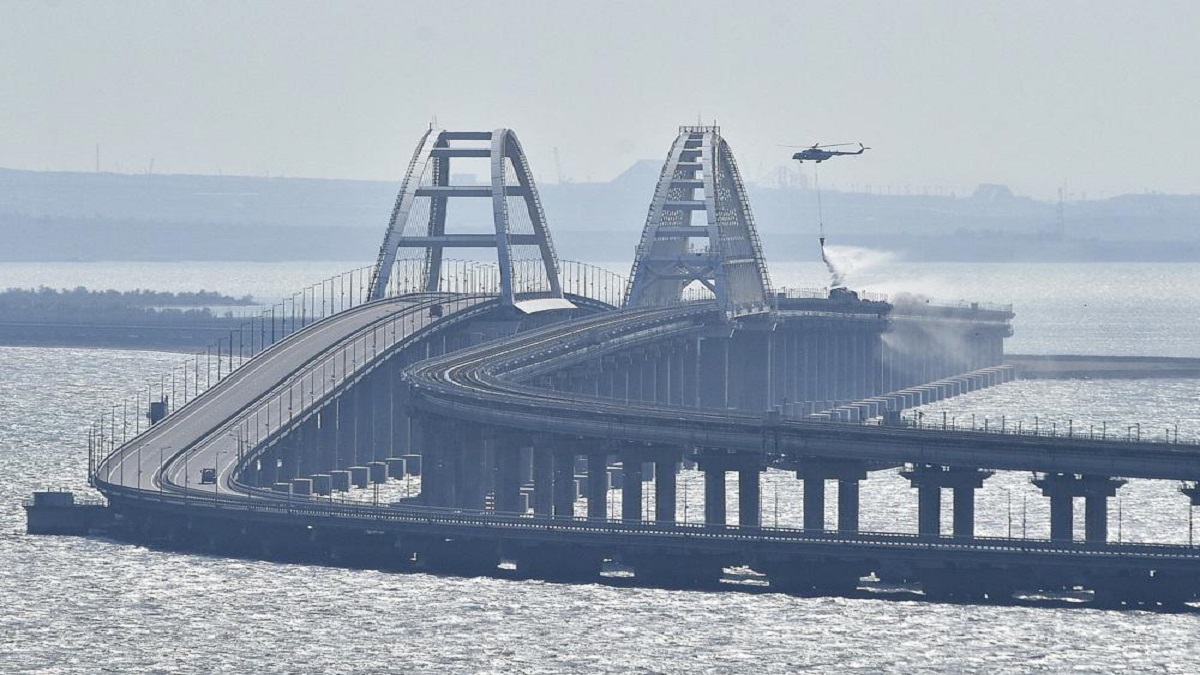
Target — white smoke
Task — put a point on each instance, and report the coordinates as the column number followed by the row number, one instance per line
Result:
column 846, row 262
column 836, row 278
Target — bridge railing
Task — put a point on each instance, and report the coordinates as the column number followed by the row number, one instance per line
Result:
column 1047, row 428
column 475, row 276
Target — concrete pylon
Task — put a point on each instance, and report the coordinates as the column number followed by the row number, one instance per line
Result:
column 720, row 253
column 528, row 266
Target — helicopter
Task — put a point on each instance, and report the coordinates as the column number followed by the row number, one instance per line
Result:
column 818, row 153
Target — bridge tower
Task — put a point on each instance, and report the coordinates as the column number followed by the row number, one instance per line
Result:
column 528, row 267
column 700, row 176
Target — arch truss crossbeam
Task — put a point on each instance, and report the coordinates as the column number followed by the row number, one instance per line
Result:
column 700, row 235
column 423, row 218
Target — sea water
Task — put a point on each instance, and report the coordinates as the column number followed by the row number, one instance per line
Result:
column 87, row 605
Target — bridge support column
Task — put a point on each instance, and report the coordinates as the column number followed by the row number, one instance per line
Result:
column 689, row 373
column 326, row 446
column 631, row 488
column 597, row 483
column 814, row 503
column 749, row 497
column 814, row 471
column 564, row 483
column 663, row 390
column 429, row 440
column 929, row 510
column 287, row 469
column 714, row 463
column 400, row 421
column 305, row 451
column 750, row 369
column 964, row 511
column 347, row 409
column 380, row 404
column 713, row 376
column 677, row 358
column 714, row 497
column 641, row 376
column 471, row 488
column 507, row 458
column 370, row 446
column 543, row 478
column 1062, row 488
column 268, row 469
column 929, row 479
column 359, row 417
column 848, row 504
column 665, row 468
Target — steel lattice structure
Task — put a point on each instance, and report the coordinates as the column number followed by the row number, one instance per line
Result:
column 700, row 176
column 529, row 277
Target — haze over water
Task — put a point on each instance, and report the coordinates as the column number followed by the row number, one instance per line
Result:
column 83, row 605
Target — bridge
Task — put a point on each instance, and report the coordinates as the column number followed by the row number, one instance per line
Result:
column 518, row 389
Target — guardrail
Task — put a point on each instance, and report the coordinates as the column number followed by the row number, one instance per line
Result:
column 1103, row 433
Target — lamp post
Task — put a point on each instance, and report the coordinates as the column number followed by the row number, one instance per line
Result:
column 1008, row 496
column 1023, row 521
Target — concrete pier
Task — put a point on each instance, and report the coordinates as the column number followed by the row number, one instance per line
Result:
column 1062, row 488
column 564, row 482
column 543, row 479
column 929, row 480
column 377, row 471
column 60, row 513
column 631, row 489
column 814, row 471
column 322, row 484
column 302, row 486
column 340, row 480
column 715, row 463
column 597, row 484
column 397, row 467
column 714, row 496
column 666, row 469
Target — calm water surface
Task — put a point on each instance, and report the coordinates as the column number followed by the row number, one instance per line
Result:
column 76, row 605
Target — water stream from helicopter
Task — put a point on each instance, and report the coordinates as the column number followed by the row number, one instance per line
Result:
column 837, row 279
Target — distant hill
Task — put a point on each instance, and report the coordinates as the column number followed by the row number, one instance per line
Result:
column 84, row 216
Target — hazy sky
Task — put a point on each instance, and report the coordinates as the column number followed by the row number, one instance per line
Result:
column 1100, row 95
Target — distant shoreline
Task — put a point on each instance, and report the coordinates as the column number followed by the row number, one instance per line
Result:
column 63, row 216
column 188, row 336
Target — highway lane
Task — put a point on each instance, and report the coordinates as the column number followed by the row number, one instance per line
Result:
column 265, row 394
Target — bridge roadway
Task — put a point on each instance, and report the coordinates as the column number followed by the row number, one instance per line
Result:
column 295, row 377
column 488, row 384
column 256, row 401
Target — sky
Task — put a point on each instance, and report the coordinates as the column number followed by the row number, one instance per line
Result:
column 1096, row 97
